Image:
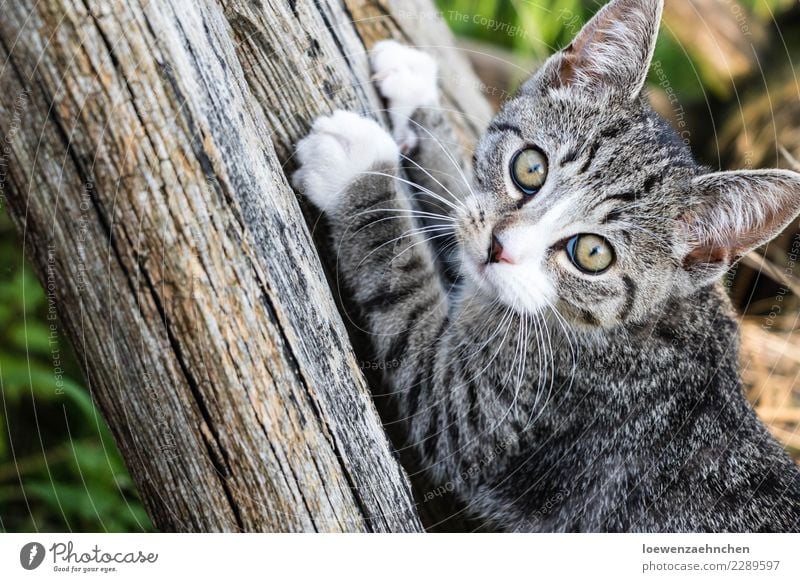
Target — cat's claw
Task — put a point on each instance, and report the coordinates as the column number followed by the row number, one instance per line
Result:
column 340, row 147
column 406, row 78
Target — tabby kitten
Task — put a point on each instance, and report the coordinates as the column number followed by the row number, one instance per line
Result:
column 582, row 374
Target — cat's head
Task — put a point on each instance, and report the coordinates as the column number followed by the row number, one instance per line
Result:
column 587, row 201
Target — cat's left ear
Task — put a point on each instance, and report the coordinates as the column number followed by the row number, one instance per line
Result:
column 612, row 52
column 735, row 213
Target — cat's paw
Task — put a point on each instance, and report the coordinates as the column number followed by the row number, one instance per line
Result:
column 406, row 77
column 340, row 147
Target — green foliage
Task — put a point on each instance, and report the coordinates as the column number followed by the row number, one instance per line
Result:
column 538, row 28
column 767, row 9
column 59, row 466
column 534, row 28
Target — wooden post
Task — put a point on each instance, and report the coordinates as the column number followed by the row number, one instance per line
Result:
column 145, row 146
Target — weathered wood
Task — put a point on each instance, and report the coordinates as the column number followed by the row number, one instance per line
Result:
column 305, row 59
column 141, row 172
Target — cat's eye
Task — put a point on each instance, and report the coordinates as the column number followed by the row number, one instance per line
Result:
column 529, row 170
column 590, row 253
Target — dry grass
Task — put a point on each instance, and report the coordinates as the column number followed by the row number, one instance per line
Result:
column 770, row 359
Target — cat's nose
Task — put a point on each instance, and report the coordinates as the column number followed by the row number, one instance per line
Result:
column 497, row 253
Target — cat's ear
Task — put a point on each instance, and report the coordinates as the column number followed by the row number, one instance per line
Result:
column 612, row 52
column 735, row 213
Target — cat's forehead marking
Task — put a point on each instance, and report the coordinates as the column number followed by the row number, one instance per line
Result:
column 569, row 157
column 500, row 127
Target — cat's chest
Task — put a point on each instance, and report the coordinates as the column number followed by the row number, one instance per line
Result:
column 578, row 477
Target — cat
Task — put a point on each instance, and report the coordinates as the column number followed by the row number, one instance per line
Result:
column 580, row 375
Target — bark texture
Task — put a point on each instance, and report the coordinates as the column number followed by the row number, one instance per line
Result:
column 146, row 147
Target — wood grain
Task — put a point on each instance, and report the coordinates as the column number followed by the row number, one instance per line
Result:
column 145, row 145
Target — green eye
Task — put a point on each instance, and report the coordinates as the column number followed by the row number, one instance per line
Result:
column 590, row 253
column 529, row 170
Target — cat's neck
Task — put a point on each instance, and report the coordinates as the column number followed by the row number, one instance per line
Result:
column 620, row 358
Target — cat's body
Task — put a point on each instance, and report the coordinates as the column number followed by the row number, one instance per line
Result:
column 638, row 434
column 551, row 398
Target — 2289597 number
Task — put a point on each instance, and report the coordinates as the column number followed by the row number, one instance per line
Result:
column 754, row 565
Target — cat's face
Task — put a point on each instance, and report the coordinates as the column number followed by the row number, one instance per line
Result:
column 582, row 198
column 587, row 202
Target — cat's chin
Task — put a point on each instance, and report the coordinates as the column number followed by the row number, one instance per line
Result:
column 521, row 287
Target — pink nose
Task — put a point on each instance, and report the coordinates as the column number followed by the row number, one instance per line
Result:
column 497, row 253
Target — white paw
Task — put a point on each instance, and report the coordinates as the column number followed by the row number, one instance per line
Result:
column 406, row 77
column 339, row 148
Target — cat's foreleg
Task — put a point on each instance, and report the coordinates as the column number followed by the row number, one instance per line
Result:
column 430, row 152
column 349, row 169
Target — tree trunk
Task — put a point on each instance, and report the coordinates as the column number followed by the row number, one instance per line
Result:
column 144, row 162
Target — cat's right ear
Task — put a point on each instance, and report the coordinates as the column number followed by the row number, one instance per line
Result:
column 612, row 53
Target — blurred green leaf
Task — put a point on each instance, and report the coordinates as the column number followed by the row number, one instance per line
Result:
column 767, row 9
column 680, row 74
column 91, row 460
column 90, row 489
column 5, row 313
column 70, row 498
column 3, row 437
column 33, row 337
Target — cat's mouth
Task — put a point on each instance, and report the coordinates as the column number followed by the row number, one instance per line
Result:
column 520, row 285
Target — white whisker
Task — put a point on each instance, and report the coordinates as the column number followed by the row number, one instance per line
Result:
column 446, row 153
